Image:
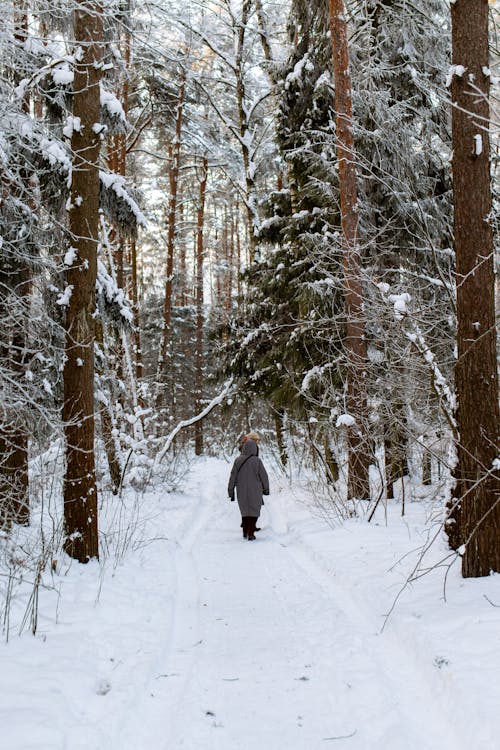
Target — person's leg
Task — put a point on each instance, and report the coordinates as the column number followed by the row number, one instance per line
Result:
column 251, row 527
column 244, row 526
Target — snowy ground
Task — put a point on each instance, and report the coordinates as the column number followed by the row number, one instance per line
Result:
column 201, row 640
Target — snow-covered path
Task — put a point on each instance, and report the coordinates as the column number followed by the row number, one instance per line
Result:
column 202, row 640
column 267, row 652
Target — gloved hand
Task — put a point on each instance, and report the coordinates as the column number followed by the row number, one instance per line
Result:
column 231, row 498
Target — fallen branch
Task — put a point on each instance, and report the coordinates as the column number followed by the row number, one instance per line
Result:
column 489, row 600
column 341, row 736
column 228, row 388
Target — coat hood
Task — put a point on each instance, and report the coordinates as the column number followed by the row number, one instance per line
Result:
column 250, row 448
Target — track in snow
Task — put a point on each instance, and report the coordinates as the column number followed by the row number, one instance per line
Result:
column 266, row 651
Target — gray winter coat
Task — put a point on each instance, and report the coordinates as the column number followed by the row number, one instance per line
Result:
column 249, row 477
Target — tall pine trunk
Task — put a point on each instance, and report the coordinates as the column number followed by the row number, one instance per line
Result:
column 245, row 132
column 175, row 164
column 14, row 485
column 198, row 427
column 355, row 343
column 80, row 491
column 475, row 521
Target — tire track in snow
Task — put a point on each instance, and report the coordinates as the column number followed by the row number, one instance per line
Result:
column 154, row 714
column 401, row 671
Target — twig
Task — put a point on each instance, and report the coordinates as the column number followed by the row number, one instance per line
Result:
column 341, row 736
column 492, row 603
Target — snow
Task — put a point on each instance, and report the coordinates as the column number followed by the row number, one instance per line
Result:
column 298, row 70
column 107, row 286
column 400, row 302
column 454, row 70
column 55, row 154
column 63, row 74
column 72, row 124
column 345, row 420
column 310, row 376
column 110, row 102
column 197, row 639
column 70, row 256
column 65, row 296
column 117, row 183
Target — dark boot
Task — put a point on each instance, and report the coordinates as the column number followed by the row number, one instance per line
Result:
column 251, row 528
column 257, row 528
column 244, row 526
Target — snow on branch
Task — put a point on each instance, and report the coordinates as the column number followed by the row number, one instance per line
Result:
column 118, row 200
column 443, row 390
column 226, row 391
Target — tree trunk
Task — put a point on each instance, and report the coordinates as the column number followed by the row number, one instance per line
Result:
column 279, row 417
column 245, row 134
column 355, row 344
column 137, row 327
column 396, row 465
column 80, row 491
column 238, row 251
column 426, row 466
column 108, row 439
column 330, row 461
column 198, row 427
column 14, row 486
column 477, row 493
column 395, row 447
column 182, row 291
column 175, row 163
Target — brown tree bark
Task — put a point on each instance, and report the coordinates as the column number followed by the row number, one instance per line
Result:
column 198, row 427
column 14, row 485
column 250, row 197
column 279, row 416
column 112, row 455
column 330, row 461
column 426, row 467
column 355, row 343
column 475, row 520
column 80, row 491
column 182, row 291
column 174, row 153
column 395, row 447
column 238, row 252
column 135, row 303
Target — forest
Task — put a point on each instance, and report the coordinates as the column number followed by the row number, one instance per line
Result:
column 226, row 216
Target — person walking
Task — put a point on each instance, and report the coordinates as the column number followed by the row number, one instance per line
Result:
column 249, row 479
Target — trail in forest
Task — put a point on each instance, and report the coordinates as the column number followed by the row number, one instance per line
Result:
column 265, row 650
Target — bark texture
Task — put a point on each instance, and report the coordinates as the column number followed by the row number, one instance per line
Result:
column 475, row 518
column 15, row 293
column 355, row 343
column 80, row 492
column 198, row 428
column 174, row 153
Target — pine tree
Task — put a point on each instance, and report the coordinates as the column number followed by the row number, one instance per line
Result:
column 476, row 514
column 355, row 325
column 80, row 491
column 402, row 142
column 281, row 344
